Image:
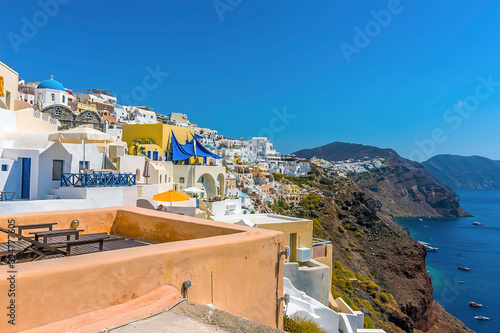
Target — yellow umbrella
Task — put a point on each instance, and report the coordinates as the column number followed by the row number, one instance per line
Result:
column 171, row 196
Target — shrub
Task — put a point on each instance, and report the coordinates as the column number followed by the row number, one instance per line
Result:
column 385, row 297
column 360, row 277
column 378, row 303
column 370, row 285
column 289, row 325
column 367, row 305
column 369, row 322
column 372, row 273
column 338, row 265
column 298, row 324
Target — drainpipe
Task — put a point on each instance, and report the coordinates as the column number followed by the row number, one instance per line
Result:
column 286, row 254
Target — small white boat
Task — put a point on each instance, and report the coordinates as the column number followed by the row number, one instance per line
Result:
column 460, row 281
column 477, row 223
column 424, row 243
column 475, row 304
column 431, row 249
column 481, row 318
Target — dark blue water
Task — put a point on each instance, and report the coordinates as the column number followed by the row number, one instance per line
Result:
column 462, row 244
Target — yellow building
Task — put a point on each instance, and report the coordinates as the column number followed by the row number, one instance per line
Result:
column 298, row 235
column 256, row 169
column 154, row 139
column 9, row 80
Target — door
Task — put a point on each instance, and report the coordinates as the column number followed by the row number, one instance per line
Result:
column 26, row 174
column 293, row 246
column 155, row 155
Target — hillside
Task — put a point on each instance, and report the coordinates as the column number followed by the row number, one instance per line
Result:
column 340, row 151
column 465, row 172
column 378, row 268
column 403, row 188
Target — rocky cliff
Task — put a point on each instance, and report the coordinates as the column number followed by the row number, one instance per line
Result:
column 465, row 172
column 402, row 188
column 379, row 268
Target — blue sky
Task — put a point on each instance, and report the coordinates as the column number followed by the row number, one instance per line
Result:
column 415, row 82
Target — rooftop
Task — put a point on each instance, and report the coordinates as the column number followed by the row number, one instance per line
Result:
column 258, row 218
column 217, row 258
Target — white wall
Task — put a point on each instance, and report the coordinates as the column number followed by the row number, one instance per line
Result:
column 82, row 198
column 14, row 181
column 8, row 121
column 55, row 152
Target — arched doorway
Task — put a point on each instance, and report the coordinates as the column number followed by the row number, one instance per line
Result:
column 208, row 183
column 221, row 184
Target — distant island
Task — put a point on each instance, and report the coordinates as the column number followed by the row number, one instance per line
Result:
column 465, row 172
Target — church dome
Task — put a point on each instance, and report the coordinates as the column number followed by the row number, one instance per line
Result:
column 51, row 84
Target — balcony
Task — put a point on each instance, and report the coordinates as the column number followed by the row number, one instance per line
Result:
column 97, row 180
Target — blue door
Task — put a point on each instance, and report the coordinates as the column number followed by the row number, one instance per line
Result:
column 155, row 155
column 149, row 153
column 25, row 186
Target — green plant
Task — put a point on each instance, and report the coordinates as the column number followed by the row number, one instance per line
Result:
column 298, row 324
column 368, row 322
column 385, row 297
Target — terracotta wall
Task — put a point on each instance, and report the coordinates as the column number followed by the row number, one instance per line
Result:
column 235, row 265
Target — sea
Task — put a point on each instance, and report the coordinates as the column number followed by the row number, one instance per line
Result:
column 460, row 243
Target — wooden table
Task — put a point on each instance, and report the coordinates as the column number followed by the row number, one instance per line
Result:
column 22, row 227
column 4, row 197
column 55, row 233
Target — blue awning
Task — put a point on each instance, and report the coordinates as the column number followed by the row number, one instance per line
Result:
column 179, row 152
column 201, row 151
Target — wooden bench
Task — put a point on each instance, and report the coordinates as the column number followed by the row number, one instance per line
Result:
column 41, row 249
column 55, row 233
column 99, row 240
column 22, row 227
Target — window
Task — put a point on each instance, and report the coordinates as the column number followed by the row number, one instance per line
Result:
column 181, row 180
column 80, row 165
column 57, row 169
column 64, row 99
column 58, row 111
column 4, row 167
column 53, row 97
column 89, row 115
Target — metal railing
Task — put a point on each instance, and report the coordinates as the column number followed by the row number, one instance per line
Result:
column 95, row 180
column 319, row 241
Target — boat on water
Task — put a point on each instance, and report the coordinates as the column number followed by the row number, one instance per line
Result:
column 477, row 223
column 475, row 304
column 481, row 318
column 431, row 249
column 420, row 219
column 464, row 268
column 428, row 246
column 460, row 281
